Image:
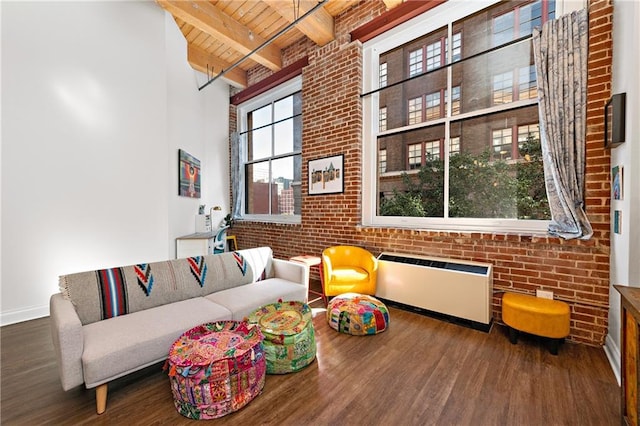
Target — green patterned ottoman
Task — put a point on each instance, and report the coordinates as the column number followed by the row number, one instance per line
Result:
column 289, row 337
column 357, row 314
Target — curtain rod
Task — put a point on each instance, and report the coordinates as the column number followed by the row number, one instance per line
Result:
column 266, row 43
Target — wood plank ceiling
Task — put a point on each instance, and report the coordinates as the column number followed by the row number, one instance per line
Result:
column 221, row 32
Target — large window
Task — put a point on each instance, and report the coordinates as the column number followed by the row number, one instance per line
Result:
column 271, row 137
column 471, row 158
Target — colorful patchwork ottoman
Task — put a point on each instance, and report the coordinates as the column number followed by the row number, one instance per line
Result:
column 216, row 369
column 289, row 337
column 357, row 314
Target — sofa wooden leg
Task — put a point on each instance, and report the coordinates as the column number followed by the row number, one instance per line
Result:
column 513, row 335
column 101, row 398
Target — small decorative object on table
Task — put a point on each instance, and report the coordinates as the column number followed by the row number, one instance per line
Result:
column 289, row 337
column 357, row 314
column 216, row 368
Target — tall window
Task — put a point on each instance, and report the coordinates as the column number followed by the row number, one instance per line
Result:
column 501, row 143
column 503, row 88
column 415, row 155
column 415, row 110
column 415, row 62
column 472, row 165
column 434, row 55
column 433, row 106
column 271, row 133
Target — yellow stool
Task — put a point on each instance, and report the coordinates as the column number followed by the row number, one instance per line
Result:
column 231, row 239
column 535, row 315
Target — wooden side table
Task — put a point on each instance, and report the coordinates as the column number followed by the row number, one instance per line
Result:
column 312, row 261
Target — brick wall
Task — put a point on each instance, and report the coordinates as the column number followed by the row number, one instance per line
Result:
column 576, row 271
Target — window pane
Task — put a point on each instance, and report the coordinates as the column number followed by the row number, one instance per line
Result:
column 382, row 117
column 286, row 185
column 415, row 111
column 503, row 28
column 283, row 137
column 503, row 88
column 257, row 188
column 283, row 109
column 432, row 150
column 484, row 182
column 405, row 104
column 433, row 110
column 260, row 143
column 527, row 88
column 530, row 16
column 408, row 189
column 415, row 62
column 434, row 55
column 260, row 117
column 382, row 161
column 488, row 79
column 382, row 81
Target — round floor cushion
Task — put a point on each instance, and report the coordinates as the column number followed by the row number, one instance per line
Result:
column 357, row 314
column 289, row 337
column 216, row 368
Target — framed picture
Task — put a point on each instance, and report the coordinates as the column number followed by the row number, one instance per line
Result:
column 326, row 175
column 617, row 182
column 614, row 121
column 188, row 175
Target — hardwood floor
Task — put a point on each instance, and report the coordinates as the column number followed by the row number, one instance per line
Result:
column 421, row 371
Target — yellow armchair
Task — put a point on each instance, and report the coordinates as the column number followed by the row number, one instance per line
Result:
column 349, row 269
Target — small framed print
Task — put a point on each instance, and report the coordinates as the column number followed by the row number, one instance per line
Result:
column 326, row 175
column 617, row 182
column 188, row 175
column 614, row 121
column 617, row 222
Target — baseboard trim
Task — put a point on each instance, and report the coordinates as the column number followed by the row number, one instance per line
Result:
column 21, row 315
column 613, row 355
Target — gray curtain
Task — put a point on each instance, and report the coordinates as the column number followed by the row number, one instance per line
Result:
column 560, row 52
column 237, row 153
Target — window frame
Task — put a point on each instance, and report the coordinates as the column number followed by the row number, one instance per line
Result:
column 284, row 90
column 445, row 14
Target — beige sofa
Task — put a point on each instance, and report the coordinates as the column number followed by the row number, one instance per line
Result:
column 108, row 323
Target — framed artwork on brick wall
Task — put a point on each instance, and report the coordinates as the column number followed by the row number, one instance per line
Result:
column 326, row 175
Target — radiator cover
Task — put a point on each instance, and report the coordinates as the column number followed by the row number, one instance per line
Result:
column 453, row 287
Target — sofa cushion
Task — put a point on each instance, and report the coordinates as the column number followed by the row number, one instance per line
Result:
column 108, row 293
column 243, row 300
column 120, row 345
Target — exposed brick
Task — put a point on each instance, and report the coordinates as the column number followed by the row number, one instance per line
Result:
column 576, row 271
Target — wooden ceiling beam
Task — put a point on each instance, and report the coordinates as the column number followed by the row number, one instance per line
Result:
column 203, row 61
column 319, row 26
column 391, row 3
column 207, row 18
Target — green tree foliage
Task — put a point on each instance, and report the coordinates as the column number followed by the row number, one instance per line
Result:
column 480, row 187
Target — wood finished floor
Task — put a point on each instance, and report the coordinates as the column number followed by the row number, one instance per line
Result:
column 421, row 371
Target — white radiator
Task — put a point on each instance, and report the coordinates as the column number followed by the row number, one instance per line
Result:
column 457, row 288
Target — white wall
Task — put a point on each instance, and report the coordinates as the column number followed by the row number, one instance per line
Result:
column 625, row 247
column 97, row 98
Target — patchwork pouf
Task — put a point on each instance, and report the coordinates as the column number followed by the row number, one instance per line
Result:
column 216, row 369
column 289, row 337
column 357, row 314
